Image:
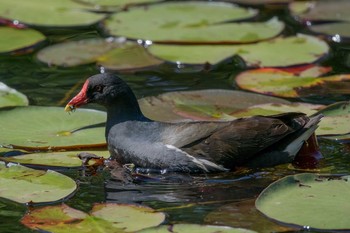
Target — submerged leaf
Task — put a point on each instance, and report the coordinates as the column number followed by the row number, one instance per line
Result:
column 316, row 201
column 12, row 39
column 292, row 50
column 194, row 228
column 22, row 184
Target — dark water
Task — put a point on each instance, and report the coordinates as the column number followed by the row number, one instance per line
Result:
column 212, row 199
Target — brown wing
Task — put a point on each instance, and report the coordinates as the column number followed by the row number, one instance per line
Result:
column 242, row 139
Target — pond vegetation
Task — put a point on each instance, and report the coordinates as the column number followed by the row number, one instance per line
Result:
column 190, row 60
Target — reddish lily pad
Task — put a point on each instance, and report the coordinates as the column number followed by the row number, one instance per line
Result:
column 10, row 97
column 50, row 13
column 194, row 228
column 12, row 39
column 292, row 50
column 273, row 108
column 116, row 54
column 53, row 159
column 103, row 218
column 315, row 201
column 280, row 83
column 191, row 22
column 22, row 184
column 200, row 105
column 50, row 128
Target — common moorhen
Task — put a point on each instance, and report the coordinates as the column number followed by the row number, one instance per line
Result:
column 191, row 146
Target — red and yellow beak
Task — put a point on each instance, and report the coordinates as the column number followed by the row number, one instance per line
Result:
column 78, row 100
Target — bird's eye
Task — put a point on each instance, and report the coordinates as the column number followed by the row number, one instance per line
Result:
column 99, row 88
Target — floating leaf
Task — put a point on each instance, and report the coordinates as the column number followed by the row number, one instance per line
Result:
column 53, row 159
column 10, row 97
column 50, row 127
column 112, row 5
column 261, row 2
column 50, row 13
column 292, row 50
column 337, row 30
column 191, row 22
column 103, row 218
column 194, row 228
column 284, row 84
column 116, row 54
column 243, row 214
column 277, row 108
column 309, row 200
column 200, row 105
column 12, row 39
column 324, row 10
column 22, row 184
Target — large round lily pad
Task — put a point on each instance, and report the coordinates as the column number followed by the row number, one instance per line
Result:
column 200, row 105
column 316, row 201
column 50, row 127
column 22, row 184
column 10, row 97
column 103, row 218
column 116, row 54
column 191, row 22
column 111, row 5
column 48, row 13
column 194, row 228
column 285, row 84
column 12, row 39
column 53, row 159
column 292, row 50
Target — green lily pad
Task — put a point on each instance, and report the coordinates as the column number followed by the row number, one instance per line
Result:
column 191, row 22
column 200, row 105
column 53, row 159
column 243, row 214
column 22, row 184
column 194, row 228
column 50, row 128
column 280, row 83
column 311, row 200
column 50, row 13
column 103, row 218
column 277, row 108
column 12, row 39
column 10, row 97
column 292, row 50
column 324, row 10
column 116, row 54
column 112, row 5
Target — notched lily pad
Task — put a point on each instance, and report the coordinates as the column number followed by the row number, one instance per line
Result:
column 200, row 105
column 280, row 83
column 308, row 200
column 48, row 13
column 51, row 128
column 53, row 159
column 22, row 184
column 103, row 218
column 9, row 97
column 194, row 228
column 294, row 50
column 111, row 53
column 12, row 39
column 191, row 22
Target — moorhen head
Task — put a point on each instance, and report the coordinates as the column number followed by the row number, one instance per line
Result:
column 194, row 146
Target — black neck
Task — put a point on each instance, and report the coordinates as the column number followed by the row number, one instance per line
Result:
column 124, row 109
